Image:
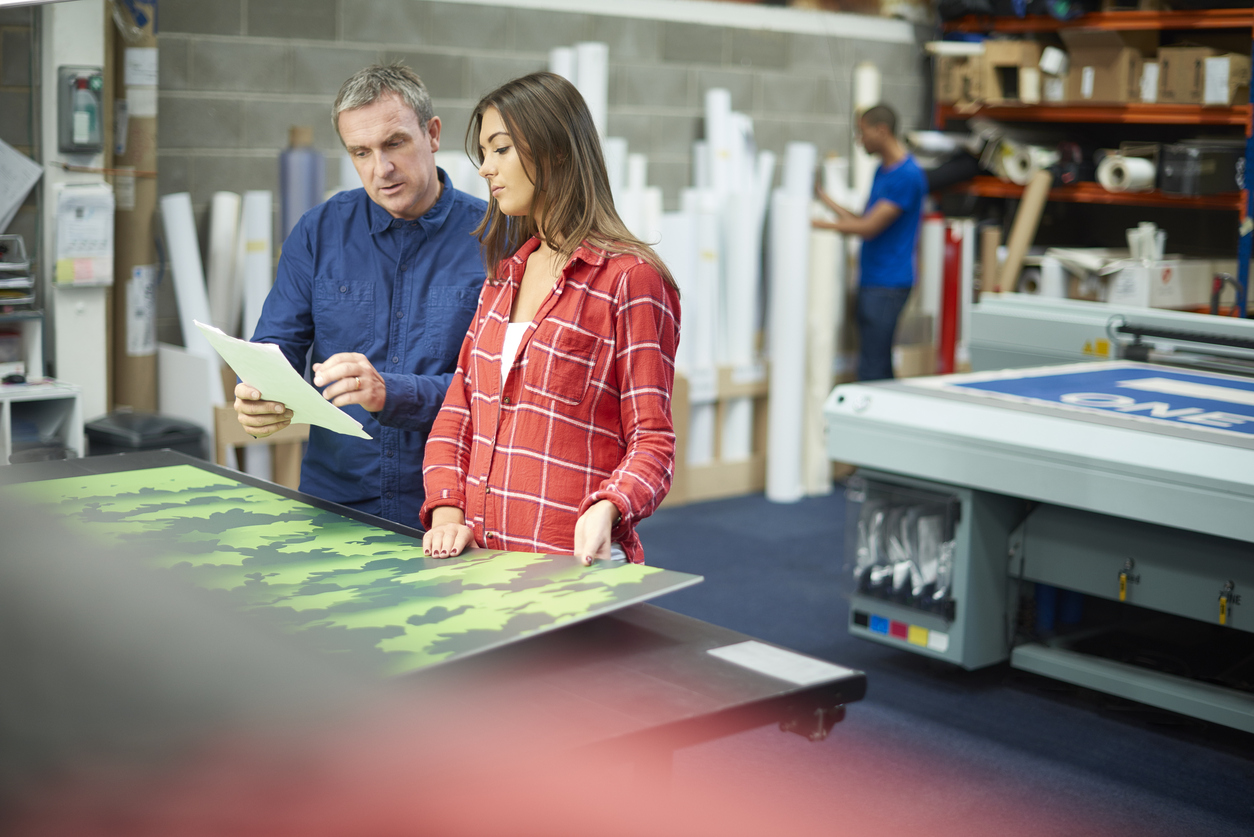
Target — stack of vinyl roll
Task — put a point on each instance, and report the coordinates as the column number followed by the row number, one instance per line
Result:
column 714, row 248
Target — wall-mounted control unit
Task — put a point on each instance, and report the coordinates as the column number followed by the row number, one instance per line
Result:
column 80, row 109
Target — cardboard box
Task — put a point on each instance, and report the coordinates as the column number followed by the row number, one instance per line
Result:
column 1106, row 66
column 1226, row 80
column 959, row 78
column 1152, row 285
column 1181, row 74
column 1005, row 79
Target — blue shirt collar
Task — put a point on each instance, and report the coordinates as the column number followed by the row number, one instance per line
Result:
column 434, row 217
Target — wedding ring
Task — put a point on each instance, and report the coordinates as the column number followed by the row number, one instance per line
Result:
column 358, row 380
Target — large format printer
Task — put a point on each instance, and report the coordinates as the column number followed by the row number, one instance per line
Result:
column 1083, row 515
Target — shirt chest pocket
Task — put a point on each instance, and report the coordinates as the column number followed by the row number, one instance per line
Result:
column 448, row 315
column 560, row 363
column 344, row 315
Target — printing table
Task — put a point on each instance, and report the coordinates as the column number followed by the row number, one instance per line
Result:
column 642, row 679
column 1127, row 482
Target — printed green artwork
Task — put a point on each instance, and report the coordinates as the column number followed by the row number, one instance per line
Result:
column 350, row 586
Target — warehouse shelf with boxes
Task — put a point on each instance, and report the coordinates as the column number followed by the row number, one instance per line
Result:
column 1142, row 114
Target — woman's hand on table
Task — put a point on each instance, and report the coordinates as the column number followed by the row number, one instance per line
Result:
column 592, row 532
column 448, row 535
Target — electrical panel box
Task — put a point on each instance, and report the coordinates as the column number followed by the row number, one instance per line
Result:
column 80, row 110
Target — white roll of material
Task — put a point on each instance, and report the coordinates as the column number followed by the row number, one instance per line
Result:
column 592, row 77
column 615, row 151
column 1125, row 174
column 826, row 284
column 800, row 159
column 349, row 178
column 1020, row 162
column 562, row 63
column 225, row 295
column 719, row 137
column 931, row 264
column 790, row 275
column 866, row 93
column 189, row 275
column 257, row 271
column 1053, row 282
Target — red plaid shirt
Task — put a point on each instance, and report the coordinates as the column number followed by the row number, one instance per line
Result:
column 585, row 414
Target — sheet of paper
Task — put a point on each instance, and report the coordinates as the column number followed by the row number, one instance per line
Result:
column 18, row 175
column 263, row 366
column 85, row 235
column 779, row 663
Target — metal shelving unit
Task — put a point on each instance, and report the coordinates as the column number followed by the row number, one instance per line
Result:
column 1133, row 113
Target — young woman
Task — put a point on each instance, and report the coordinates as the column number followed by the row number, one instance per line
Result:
column 555, row 434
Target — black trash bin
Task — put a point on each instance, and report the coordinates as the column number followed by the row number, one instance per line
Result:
column 121, row 432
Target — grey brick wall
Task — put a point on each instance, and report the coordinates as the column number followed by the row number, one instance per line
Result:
column 19, row 115
column 235, row 74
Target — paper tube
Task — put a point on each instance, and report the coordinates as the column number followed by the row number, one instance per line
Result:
column 562, row 63
column 615, row 151
column 990, row 240
column 789, row 280
column 183, row 250
column 1125, row 174
column 1022, row 233
column 134, row 356
column 967, row 290
column 718, row 137
column 1053, row 279
column 700, row 165
column 931, row 256
column 592, row 59
column 225, row 294
column 825, row 284
column 800, row 159
column 866, row 93
column 258, row 271
column 676, row 247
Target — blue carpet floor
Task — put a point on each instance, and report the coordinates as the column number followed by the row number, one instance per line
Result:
column 997, row 751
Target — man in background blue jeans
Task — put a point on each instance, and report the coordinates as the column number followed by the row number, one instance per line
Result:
column 889, row 229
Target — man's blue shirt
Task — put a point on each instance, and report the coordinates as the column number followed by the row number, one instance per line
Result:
column 887, row 260
column 352, row 278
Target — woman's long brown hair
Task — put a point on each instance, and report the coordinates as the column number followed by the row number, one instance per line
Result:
column 550, row 126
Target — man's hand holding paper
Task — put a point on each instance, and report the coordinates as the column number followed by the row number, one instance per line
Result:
column 274, row 394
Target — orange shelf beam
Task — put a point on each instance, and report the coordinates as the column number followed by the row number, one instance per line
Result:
column 1133, row 113
column 1120, row 21
column 1086, row 192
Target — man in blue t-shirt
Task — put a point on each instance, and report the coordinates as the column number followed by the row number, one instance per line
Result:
column 889, row 229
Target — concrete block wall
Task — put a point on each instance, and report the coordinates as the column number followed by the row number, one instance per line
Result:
column 19, row 103
column 235, row 74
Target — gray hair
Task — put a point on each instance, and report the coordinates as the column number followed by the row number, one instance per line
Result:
column 369, row 85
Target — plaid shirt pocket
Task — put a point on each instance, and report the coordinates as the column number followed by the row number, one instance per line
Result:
column 561, row 363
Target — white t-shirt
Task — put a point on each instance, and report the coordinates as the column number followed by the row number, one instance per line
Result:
column 509, row 353
column 509, row 349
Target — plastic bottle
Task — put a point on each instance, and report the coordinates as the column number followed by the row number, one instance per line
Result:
column 86, row 115
column 302, row 177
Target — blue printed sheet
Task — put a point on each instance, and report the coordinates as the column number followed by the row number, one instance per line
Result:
column 1158, row 395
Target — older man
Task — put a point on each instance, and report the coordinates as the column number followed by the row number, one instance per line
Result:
column 381, row 283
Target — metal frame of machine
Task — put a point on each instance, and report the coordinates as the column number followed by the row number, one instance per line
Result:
column 1109, row 506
